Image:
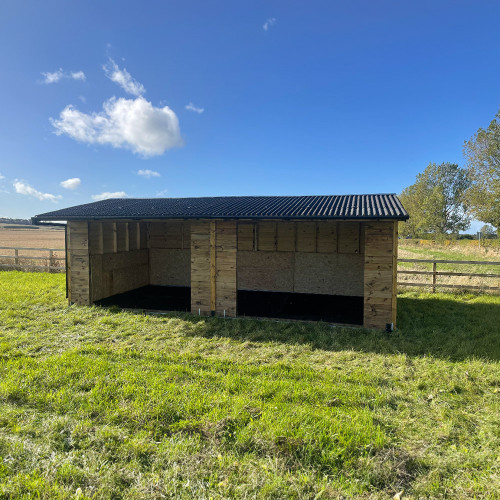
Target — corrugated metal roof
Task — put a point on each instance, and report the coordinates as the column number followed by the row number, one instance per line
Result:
column 365, row 206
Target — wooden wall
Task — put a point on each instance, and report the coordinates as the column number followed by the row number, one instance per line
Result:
column 118, row 257
column 381, row 240
column 303, row 257
column 213, row 267
column 78, row 278
column 170, row 253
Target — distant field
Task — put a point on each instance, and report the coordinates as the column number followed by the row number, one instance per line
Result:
column 31, row 237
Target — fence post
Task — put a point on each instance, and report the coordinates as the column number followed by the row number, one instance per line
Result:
column 51, row 260
column 16, row 257
column 434, row 276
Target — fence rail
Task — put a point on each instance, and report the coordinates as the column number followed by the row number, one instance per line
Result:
column 23, row 261
column 435, row 273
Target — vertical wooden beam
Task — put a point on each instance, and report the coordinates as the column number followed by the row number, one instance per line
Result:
column 213, row 289
column 200, row 267
column 226, row 255
column 114, row 235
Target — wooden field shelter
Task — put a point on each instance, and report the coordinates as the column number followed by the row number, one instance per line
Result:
column 331, row 258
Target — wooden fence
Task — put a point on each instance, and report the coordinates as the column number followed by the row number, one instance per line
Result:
column 435, row 273
column 20, row 262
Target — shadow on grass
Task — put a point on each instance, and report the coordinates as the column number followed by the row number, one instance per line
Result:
column 454, row 329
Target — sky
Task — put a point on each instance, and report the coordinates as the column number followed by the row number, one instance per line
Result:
column 195, row 98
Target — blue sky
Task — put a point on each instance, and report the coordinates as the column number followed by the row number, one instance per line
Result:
column 232, row 98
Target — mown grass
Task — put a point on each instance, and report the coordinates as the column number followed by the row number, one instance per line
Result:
column 98, row 403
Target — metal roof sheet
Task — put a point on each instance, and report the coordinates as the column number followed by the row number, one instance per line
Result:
column 364, row 206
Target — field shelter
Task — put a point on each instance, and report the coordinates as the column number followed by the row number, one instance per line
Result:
column 329, row 258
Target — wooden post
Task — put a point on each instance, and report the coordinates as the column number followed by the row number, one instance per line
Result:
column 16, row 257
column 434, row 276
column 212, row 267
column 51, row 260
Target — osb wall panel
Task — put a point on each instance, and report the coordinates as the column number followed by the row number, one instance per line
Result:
column 379, row 288
column 170, row 267
column 331, row 274
column 78, row 268
column 271, row 271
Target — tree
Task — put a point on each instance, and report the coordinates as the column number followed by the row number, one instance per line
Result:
column 482, row 152
column 436, row 201
column 488, row 232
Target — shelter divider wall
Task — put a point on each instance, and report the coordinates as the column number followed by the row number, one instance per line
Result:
column 381, row 239
column 213, row 267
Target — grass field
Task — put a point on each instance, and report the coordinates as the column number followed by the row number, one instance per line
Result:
column 99, row 403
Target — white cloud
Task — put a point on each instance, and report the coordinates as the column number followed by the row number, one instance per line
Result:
column 269, row 22
column 58, row 75
column 192, row 107
column 106, row 195
column 2, row 177
column 133, row 124
column 78, row 75
column 27, row 190
column 123, row 78
column 72, row 183
column 161, row 193
column 148, row 173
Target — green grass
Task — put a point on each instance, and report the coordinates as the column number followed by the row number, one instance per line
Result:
column 99, row 403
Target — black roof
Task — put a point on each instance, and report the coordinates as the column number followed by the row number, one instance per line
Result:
column 365, row 206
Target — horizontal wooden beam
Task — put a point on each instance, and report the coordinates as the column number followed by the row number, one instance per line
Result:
column 468, row 287
column 449, row 273
column 31, row 248
column 479, row 262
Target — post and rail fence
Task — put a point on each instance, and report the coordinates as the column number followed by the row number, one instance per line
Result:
column 18, row 261
column 435, row 273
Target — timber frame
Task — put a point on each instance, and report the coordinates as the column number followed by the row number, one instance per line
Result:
column 217, row 257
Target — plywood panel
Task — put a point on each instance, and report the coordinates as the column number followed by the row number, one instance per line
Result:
column 332, row 274
column 266, row 237
column 286, row 232
column 271, row 271
column 326, row 237
column 170, row 267
column 348, row 237
column 306, row 237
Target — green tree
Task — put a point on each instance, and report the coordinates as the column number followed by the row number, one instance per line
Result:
column 436, row 201
column 482, row 152
column 488, row 231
